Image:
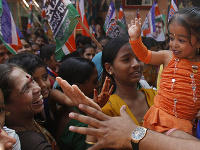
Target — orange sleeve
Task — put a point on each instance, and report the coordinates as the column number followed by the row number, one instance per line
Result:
column 140, row 50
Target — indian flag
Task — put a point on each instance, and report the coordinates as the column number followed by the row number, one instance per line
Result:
column 61, row 15
column 122, row 22
column 8, row 31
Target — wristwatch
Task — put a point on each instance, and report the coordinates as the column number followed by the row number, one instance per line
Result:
column 137, row 135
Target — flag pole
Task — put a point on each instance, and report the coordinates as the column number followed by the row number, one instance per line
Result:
column 33, row 14
column 77, row 5
column 90, row 34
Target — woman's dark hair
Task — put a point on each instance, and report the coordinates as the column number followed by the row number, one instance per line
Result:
column 47, row 51
column 111, row 49
column 22, row 38
column 83, row 40
column 6, row 81
column 85, row 47
column 76, row 70
column 27, row 61
column 109, row 54
column 189, row 18
column 149, row 42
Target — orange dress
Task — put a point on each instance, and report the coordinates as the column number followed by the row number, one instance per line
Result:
column 178, row 99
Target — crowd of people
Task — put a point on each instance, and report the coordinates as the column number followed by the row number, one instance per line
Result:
column 96, row 98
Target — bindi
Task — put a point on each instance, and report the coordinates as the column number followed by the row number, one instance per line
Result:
column 28, row 78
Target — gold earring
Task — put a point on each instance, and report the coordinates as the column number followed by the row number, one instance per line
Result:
column 8, row 113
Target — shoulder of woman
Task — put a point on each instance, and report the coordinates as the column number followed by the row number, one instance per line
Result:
column 33, row 140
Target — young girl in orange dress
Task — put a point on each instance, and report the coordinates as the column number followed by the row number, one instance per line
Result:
column 178, row 99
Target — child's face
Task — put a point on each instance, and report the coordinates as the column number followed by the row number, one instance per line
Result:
column 180, row 42
column 41, row 77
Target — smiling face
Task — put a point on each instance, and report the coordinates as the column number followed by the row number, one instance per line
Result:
column 26, row 47
column 25, row 99
column 126, row 68
column 180, row 42
column 40, row 75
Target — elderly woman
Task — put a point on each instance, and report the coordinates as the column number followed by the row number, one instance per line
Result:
column 23, row 100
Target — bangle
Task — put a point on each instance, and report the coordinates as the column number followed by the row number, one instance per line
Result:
column 91, row 143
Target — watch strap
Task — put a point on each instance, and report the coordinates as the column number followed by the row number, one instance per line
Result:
column 135, row 146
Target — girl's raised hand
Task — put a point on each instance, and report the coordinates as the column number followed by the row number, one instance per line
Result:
column 104, row 96
column 134, row 29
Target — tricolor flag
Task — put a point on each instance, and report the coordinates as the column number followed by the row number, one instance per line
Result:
column 30, row 18
column 149, row 23
column 110, row 26
column 137, row 14
column 61, row 15
column 173, row 8
column 81, row 11
column 158, row 24
column 8, row 31
column 122, row 22
column 70, row 45
column 43, row 18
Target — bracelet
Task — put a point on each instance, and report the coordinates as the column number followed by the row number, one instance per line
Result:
column 170, row 131
column 91, row 143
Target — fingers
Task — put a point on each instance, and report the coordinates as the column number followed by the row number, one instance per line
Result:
column 93, row 112
column 123, row 111
column 84, row 130
column 111, row 90
column 106, row 85
column 95, row 96
column 82, row 99
column 97, row 146
column 85, row 119
column 138, row 21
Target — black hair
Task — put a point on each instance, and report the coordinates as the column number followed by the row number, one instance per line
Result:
column 27, row 61
column 149, row 42
column 189, row 18
column 72, row 54
column 76, row 70
column 6, row 81
column 111, row 49
column 103, row 37
column 85, row 47
column 47, row 51
column 83, row 40
column 25, row 39
column 109, row 54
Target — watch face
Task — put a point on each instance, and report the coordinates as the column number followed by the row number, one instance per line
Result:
column 138, row 133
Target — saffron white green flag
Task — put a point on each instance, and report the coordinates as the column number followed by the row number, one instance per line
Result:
column 61, row 16
column 8, row 31
column 122, row 22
